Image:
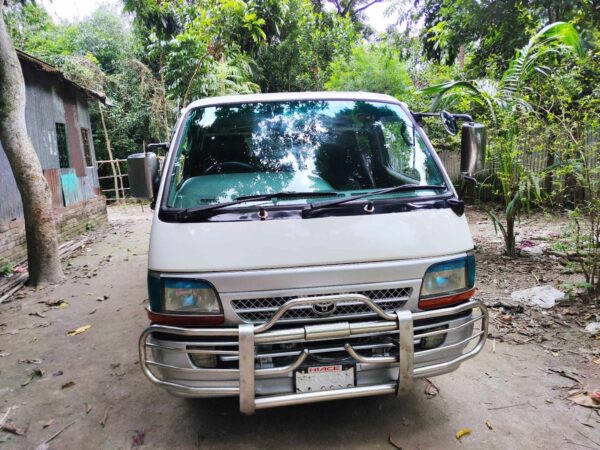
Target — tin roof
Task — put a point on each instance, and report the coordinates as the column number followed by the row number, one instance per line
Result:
column 44, row 66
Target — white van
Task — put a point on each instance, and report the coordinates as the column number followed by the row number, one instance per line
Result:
column 306, row 247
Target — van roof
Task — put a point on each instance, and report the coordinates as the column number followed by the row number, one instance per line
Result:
column 291, row 96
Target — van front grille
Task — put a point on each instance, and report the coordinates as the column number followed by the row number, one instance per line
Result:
column 259, row 310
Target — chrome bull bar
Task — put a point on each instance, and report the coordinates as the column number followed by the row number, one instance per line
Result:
column 250, row 335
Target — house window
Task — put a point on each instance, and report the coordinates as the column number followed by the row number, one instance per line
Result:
column 87, row 151
column 63, row 149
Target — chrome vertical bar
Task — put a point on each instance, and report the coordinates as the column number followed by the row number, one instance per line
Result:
column 406, row 352
column 247, row 390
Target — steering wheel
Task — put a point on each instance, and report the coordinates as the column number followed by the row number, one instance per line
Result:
column 234, row 167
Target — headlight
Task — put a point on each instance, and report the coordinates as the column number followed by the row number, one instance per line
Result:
column 182, row 296
column 189, row 296
column 447, row 283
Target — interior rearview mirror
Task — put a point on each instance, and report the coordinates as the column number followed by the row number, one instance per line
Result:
column 142, row 171
column 449, row 122
column 472, row 148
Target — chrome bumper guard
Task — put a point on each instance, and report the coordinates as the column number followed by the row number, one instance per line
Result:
column 249, row 335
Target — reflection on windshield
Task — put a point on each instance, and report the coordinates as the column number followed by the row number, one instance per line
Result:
column 301, row 146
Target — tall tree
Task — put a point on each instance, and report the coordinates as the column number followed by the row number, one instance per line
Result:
column 40, row 228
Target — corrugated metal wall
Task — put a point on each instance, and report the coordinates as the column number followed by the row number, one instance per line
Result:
column 46, row 99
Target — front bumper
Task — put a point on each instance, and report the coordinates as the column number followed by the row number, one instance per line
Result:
column 408, row 364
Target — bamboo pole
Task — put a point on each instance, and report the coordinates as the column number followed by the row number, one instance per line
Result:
column 109, row 149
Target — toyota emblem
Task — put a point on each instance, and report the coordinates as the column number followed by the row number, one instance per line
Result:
column 324, row 308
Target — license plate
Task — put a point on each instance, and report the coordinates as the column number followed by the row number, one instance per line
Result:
column 325, row 378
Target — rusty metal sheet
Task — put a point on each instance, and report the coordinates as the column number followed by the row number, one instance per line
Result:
column 86, row 188
column 73, row 132
column 92, row 174
column 53, row 179
column 10, row 198
column 70, row 187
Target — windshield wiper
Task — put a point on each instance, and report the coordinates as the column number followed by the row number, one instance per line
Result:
column 405, row 187
column 188, row 213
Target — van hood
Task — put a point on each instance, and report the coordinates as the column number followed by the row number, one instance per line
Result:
column 228, row 246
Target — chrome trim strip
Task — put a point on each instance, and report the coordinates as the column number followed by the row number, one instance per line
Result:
column 246, row 364
column 450, row 346
column 315, row 351
column 368, row 359
column 310, row 397
column 231, row 372
column 406, row 352
column 193, row 351
column 320, row 299
column 285, row 369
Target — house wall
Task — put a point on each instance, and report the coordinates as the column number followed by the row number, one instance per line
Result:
column 50, row 101
column 71, row 222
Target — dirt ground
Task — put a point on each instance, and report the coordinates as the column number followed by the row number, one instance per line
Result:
column 512, row 396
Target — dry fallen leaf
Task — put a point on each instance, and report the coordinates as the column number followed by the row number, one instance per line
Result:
column 394, row 443
column 585, row 398
column 30, row 361
column 104, row 419
column 52, row 302
column 506, row 318
column 10, row 428
column 47, row 423
column 35, row 373
column 79, row 330
column 489, row 425
column 431, row 390
column 68, row 385
column 37, row 314
column 463, row 432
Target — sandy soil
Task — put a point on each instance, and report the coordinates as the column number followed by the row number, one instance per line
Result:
column 513, row 395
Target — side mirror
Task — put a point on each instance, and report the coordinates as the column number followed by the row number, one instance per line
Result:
column 142, row 171
column 449, row 122
column 472, row 148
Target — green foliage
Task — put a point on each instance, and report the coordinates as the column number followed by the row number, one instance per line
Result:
column 482, row 35
column 372, row 68
column 519, row 186
column 7, row 269
column 298, row 54
column 103, row 36
column 510, row 92
column 507, row 101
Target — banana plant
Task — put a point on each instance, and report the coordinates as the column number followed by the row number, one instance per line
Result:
column 508, row 93
column 504, row 99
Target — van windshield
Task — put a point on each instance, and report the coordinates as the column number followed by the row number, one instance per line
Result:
column 343, row 148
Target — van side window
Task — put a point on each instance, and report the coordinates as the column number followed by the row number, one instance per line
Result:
column 64, row 160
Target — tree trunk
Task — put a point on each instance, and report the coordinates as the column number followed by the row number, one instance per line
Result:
column 510, row 238
column 40, row 229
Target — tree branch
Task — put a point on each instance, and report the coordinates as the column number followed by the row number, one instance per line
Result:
column 362, row 8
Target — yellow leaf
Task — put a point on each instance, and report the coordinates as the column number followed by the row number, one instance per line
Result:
column 79, row 330
column 63, row 305
column 463, row 432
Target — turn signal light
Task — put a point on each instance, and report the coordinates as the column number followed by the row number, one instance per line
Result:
column 446, row 300
column 185, row 320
